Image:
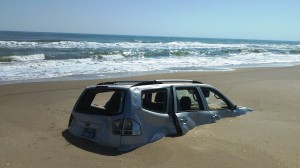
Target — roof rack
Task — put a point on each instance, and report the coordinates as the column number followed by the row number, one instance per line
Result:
column 121, row 82
column 149, row 82
column 177, row 80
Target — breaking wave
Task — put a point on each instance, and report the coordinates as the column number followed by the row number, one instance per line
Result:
column 59, row 55
column 23, row 58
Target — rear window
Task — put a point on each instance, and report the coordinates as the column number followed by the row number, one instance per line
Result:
column 101, row 102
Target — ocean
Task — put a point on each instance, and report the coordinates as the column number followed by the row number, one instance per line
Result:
column 33, row 56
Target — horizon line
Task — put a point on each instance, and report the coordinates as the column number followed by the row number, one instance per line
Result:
column 165, row 36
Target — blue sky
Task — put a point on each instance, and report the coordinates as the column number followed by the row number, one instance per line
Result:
column 255, row 19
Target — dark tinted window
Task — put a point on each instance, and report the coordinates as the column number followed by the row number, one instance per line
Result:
column 101, row 102
column 155, row 100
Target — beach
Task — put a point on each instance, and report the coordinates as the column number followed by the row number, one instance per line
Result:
column 34, row 118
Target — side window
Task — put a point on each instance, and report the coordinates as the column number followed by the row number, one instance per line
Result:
column 214, row 99
column 155, row 100
column 188, row 99
column 101, row 102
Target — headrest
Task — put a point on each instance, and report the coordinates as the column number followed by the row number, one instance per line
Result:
column 160, row 96
column 185, row 103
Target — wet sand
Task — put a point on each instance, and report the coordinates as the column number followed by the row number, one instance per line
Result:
column 34, row 118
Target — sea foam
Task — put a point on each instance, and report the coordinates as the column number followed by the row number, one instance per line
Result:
column 111, row 56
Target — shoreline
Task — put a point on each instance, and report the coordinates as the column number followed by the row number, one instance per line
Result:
column 34, row 119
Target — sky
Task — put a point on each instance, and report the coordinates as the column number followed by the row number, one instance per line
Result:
column 238, row 19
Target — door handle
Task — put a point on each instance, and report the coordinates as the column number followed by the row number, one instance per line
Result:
column 184, row 120
column 215, row 117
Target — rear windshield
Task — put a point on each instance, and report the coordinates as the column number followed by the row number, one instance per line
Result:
column 101, row 102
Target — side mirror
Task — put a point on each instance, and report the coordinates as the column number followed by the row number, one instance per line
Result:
column 234, row 107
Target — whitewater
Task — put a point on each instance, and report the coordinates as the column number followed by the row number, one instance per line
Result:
column 31, row 56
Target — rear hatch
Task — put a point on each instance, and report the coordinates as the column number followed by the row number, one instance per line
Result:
column 97, row 115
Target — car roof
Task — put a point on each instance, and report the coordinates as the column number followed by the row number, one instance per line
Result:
column 160, row 83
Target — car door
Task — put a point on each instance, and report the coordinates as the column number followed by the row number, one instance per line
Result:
column 189, row 108
column 217, row 103
column 152, row 115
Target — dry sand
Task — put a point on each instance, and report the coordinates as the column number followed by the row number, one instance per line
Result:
column 34, row 117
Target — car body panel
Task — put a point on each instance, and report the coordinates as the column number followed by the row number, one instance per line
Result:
column 102, row 126
column 189, row 120
column 154, row 125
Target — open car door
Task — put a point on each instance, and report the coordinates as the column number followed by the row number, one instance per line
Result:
column 189, row 108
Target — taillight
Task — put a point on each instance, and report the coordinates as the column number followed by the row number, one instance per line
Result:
column 126, row 127
column 117, row 127
column 131, row 127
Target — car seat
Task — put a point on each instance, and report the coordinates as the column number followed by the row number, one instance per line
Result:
column 185, row 103
column 160, row 101
column 114, row 102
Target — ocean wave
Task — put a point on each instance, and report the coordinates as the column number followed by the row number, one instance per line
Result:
column 295, row 51
column 36, row 66
column 125, row 53
column 34, row 56
column 112, row 57
column 23, row 58
column 48, row 40
column 57, row 44
column 6, row 59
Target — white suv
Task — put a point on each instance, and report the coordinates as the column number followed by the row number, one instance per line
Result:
column 129, row 114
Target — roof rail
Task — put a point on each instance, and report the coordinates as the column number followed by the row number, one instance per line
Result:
column 177, row 80
column 107, row 83
column 123, row 82
column 149, row 82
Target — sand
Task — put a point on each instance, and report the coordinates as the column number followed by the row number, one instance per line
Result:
column 34, row 118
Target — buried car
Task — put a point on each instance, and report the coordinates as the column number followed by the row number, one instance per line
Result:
column 128, row 114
